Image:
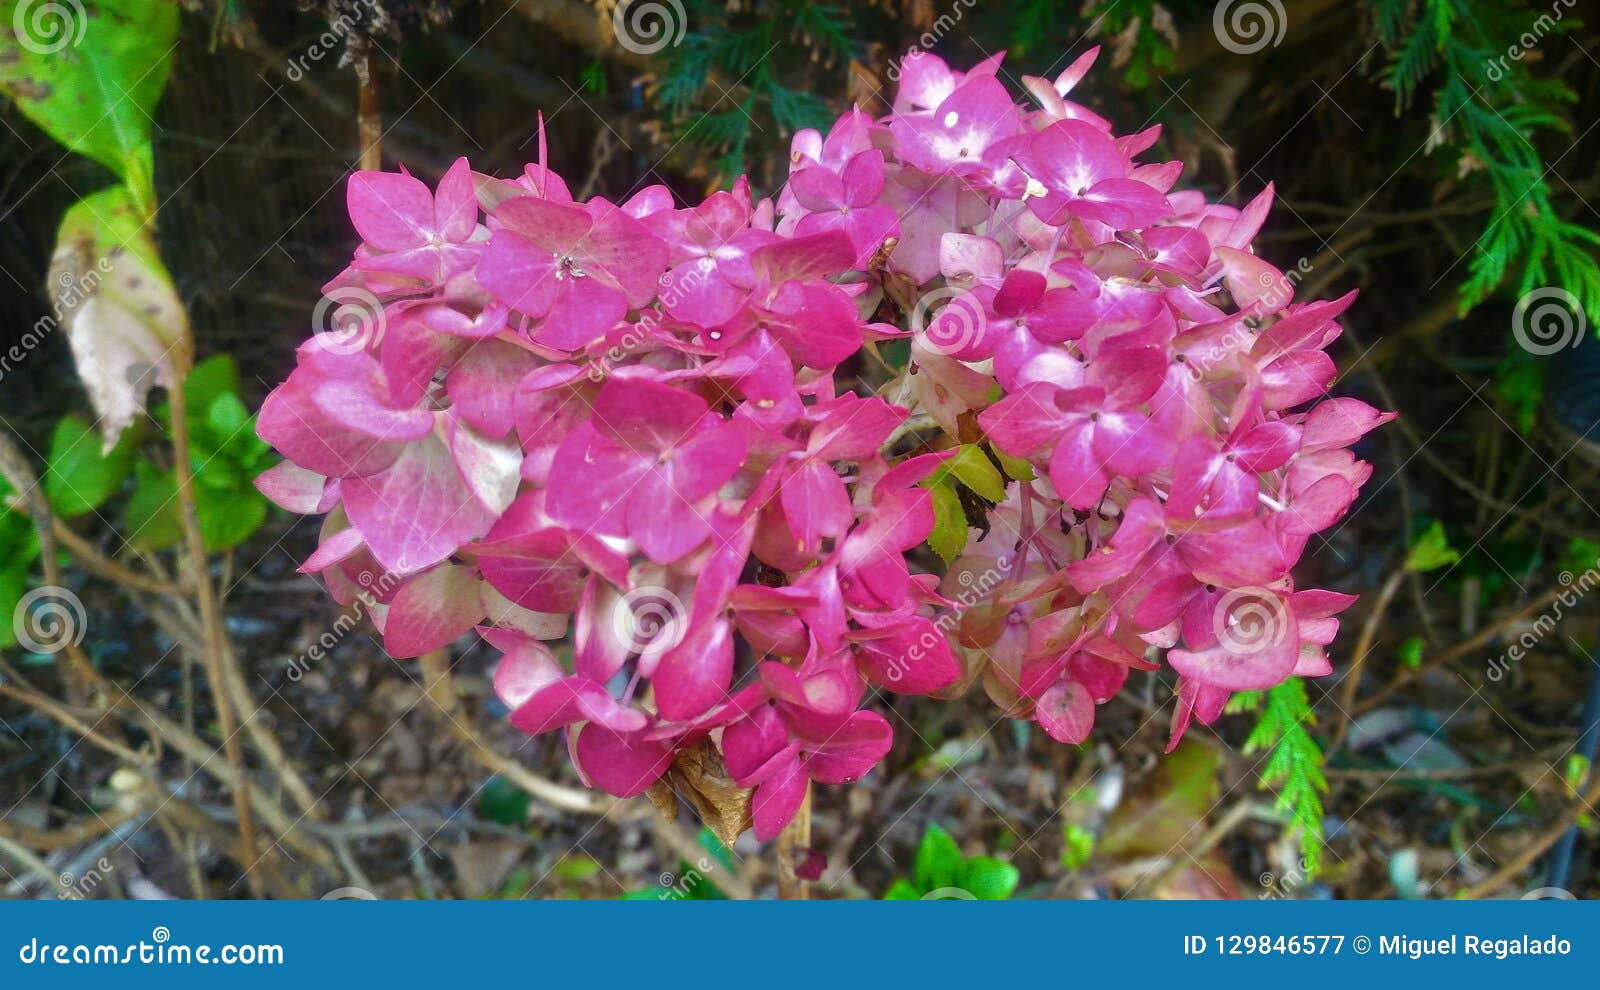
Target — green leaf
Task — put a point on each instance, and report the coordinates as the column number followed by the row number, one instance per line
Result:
column 975, row 470
column 1411, row 650
column 13, row 585
column 987, row 878
column 713, row 845
column 91, row 78
column 228, row 515
column 949, row 536
column 226, row 418
column 938, row 860
column 1431, row 550
column 151, row 518
column 78, row 477
column 501, row 802
column 1077, row 846
column 214, row 378
column 1015, row 467
column 902, row 890
column 1581, row 555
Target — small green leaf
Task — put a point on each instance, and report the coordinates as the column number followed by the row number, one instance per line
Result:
column 501, row 802
column 1581, row 555
column 226, row 418
column 902, row 890
column 78, row 478
column 228, row 516
column 938, row 860
column 1077, row 846
column 1431, row 550
column 975, row 470
column 1015, row 467
column 210, row 380
column 711, row 844
column 987, row 878
column 1411, row 650
column 949, row 536
column 13, row 585
column 150, row 519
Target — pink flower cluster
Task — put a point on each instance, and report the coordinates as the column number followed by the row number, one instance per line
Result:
column 647, row 423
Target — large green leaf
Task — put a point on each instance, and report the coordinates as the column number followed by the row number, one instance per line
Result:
column 90, row 72
column 79, row 477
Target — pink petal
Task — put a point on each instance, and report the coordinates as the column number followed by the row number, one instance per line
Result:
column 1066, row 712
column 432, row 610
column 391, row 211
column 621, row 764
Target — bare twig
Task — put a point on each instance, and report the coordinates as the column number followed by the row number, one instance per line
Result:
column 218, row 652
column 1369, row 634
column 1511, row 868
column 793, row 842
column 1461, row 649
column 439, row 686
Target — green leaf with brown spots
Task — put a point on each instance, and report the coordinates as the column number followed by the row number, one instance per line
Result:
column 90, row 72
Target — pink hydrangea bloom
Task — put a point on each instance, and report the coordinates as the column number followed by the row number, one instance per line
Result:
column 627, row 427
